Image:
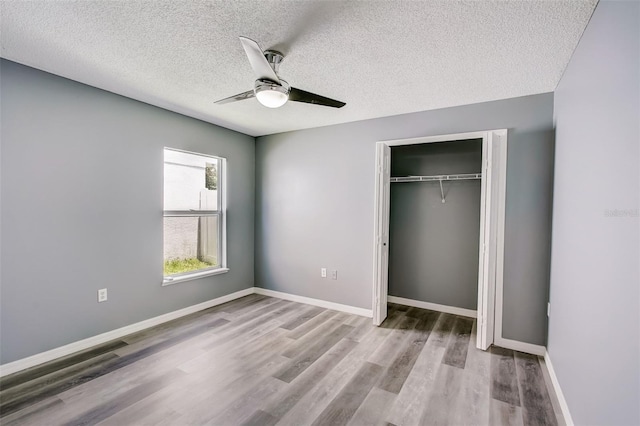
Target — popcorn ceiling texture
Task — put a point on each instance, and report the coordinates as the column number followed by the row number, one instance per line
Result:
column 381, row 58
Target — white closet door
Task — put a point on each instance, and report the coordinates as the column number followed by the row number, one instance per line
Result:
column 381, row 255
column 493, row 183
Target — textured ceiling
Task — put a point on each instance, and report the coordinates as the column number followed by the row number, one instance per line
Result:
column 381, row 58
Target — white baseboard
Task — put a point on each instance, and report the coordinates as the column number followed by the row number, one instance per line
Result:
column 50, row 355
column 515, row 345
column 556, row 386
column 316, row 302
column 519, row 346
column 433, row 306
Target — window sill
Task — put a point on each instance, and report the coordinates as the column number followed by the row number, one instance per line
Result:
column 182, row 278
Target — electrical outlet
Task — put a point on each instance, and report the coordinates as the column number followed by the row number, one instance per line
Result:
column 548, row 308
column 334, row 275
column 102, row 295
column 323, row 272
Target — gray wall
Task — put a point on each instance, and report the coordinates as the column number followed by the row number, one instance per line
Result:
column 434, row 247
column 315, row 198
column 82, row 178
column 594, row 326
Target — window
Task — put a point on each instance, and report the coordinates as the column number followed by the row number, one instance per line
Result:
column 194, row 221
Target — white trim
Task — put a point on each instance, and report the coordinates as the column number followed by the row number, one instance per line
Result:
column 315, row 302
column 486, row 269
column 556, row 386
column 80, row 345
column 222, row 165
column 519, row 346
column 50, row 355
column 437, row 138
column 500, row 225
column 434, row 306
column 182, row 278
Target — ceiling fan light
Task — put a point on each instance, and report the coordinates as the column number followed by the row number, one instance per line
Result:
column 271, row 94
column 272, row 98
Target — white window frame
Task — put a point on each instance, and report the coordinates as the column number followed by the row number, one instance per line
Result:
column 221, row 213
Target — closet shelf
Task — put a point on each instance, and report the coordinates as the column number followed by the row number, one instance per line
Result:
column 436, row 178
column 467, row 176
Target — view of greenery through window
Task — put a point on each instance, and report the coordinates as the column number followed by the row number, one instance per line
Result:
column 211, row 177
column 177, row 266
column 191, row 218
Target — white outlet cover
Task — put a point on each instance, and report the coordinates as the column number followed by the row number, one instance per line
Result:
column 323, row 272
column 334, row 275
column 102, row 295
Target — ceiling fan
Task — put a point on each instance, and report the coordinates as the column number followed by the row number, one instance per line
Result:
column 270, row 90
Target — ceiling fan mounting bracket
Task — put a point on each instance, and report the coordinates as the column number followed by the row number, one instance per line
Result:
column 274, row 58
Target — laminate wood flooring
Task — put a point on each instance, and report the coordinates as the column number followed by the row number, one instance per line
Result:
column 265, row 361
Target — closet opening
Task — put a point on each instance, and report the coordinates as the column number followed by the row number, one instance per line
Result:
column 439, row 226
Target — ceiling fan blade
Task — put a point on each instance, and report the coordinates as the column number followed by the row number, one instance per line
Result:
column 238, row 97
column 298, row 95
column 258, row 62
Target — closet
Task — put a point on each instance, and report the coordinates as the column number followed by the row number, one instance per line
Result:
column 434, row 222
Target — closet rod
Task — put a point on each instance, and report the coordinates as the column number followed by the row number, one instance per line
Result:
column 466, row 176
column 437, row 178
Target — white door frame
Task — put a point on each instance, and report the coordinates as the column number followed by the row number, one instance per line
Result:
column 492, row 214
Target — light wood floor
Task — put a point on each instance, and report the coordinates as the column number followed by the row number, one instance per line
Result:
column 265, row 361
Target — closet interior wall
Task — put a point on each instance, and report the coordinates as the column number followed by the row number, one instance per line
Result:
column 434, row 246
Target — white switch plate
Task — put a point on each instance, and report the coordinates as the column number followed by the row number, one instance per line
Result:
column 548, row 308
column 323, row 272
column 334, row 275
column 102, row 295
